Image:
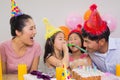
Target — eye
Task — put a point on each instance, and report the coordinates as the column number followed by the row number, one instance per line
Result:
column 31, row 28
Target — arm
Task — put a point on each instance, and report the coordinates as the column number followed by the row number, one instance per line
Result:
column 52, row 60
column 36, row 59
column 35, row 64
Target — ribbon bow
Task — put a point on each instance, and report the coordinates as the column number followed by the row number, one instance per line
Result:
column 40, row 75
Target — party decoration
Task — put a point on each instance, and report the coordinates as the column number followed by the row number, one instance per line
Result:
column 66, row 31
column 15, row 11
column 70, row 45
column 87, row 15
column 77, row 30
column 88, row 12
column 111, row 22
column 50, row 30
column 95, row 25
column 73, row 20
column 59, row 71
column 40, row 75
column 65, row 74
column 62, row 73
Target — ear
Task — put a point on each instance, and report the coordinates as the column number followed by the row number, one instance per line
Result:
column 18, row 33
column 102, row 41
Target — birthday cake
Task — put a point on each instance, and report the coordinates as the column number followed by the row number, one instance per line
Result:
column 86, row 73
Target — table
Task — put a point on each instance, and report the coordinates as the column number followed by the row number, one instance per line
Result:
column 10, row 77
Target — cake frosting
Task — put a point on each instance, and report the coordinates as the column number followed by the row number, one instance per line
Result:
column 86, row 73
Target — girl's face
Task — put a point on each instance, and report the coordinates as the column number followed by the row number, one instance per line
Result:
column 74, row 39
column 28, row 33
column 59, row 40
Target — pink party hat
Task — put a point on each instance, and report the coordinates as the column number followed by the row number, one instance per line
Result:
column 15, row 11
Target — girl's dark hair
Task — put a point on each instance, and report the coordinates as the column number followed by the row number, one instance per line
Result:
column 18, row 23
column 81, row 38
column 104, row 34
column 49, row 47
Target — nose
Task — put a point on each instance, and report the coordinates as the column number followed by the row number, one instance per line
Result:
column 34, row 31
column 71, row 41
column 84, row 44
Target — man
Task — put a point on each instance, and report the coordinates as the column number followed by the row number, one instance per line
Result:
column 104, row 51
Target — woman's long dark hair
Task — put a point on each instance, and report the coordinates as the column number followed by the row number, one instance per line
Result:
column 18, row 23
column 49, row 46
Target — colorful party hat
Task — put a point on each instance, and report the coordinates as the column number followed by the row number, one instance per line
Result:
column 95, row 25
column 50, row 30
column 15, row 11
column 65, row 74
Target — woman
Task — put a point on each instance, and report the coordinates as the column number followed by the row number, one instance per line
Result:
column 21, row 49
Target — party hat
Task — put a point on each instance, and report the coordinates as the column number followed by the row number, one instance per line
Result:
column 65, row 74
column 15, row 11
column 50, row 30
column 95, row 25
column 77, row 30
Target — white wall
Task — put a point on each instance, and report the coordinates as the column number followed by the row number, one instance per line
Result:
column 56, row 11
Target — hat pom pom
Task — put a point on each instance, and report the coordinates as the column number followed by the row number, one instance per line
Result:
column 79, row 26
column 93, row 7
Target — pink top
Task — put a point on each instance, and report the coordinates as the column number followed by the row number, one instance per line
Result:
column 81, row 57
column 12, row 60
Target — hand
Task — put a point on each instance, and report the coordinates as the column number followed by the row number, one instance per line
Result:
column 64, row 47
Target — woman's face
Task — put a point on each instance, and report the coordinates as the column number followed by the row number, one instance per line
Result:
column 74, row 39
column 28, row 33
column 59, row 40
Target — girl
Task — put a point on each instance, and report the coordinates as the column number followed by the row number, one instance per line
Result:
column 56, row 50
column 77, row 57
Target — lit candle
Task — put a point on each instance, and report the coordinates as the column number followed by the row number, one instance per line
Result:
column 0, row 68
column 118, row 70
column 95, row 69
column 59, row 71
column 22, row 69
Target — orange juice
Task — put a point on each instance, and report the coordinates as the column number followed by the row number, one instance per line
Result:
column 0, row 69
column 59, row 71
column 118, row 70
column 22, row 69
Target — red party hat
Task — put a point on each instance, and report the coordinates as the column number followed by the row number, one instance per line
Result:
column 95, row 25
column 77, row 30
column 15, row 11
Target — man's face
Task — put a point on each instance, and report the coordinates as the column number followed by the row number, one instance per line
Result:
column 91, row 46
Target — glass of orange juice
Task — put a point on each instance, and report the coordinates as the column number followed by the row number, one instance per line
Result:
column 59, row 71
column 117, row 69
column 22, row 69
